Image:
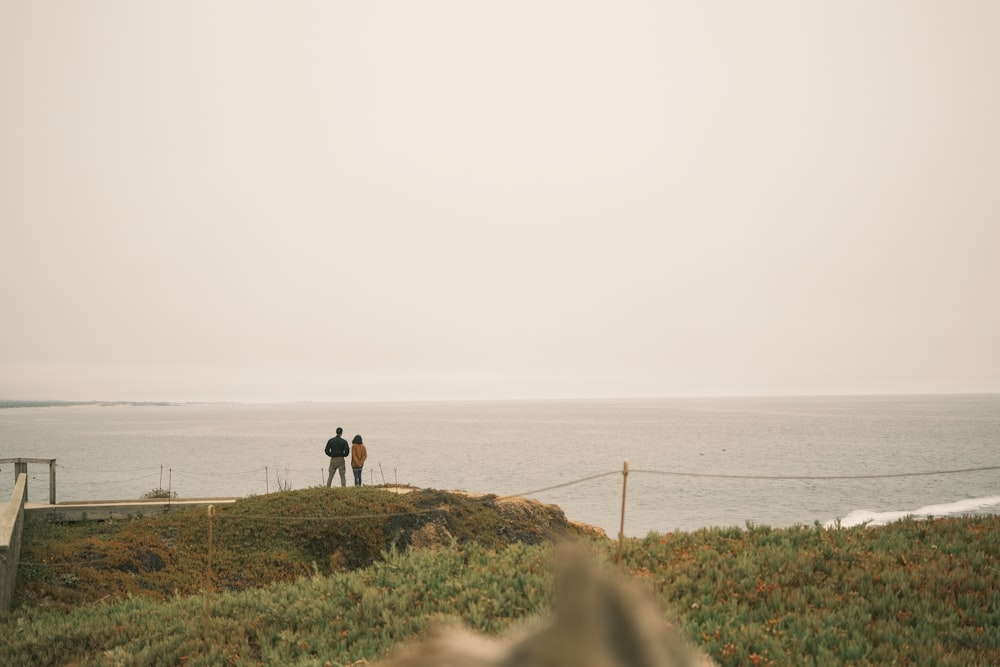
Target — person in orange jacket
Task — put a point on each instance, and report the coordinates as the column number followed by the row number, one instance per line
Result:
column 359, row 454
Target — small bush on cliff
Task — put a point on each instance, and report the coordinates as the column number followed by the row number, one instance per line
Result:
column 159, row 493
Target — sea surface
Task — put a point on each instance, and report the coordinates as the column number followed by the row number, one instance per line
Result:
column 692, row 463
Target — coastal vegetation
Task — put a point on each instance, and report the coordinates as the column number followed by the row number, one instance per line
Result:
column 321, row 577
column 159, row 492
column 259, row 540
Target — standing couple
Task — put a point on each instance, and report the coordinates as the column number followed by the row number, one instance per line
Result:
column 338, row 449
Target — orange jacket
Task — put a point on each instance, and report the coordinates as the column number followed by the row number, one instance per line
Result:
column 359, row 454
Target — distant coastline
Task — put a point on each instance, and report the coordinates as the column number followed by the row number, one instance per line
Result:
column 63, row 404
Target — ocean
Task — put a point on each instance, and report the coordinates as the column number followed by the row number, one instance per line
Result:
column 693, row 463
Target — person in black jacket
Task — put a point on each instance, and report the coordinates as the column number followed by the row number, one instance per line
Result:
column 337, row 449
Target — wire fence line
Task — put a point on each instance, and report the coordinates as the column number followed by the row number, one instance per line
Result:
column 103, row 477
column 672, row 473
column 492, row 498
column 668, row 473
column 677, row 473
column 102, row 470
column 99, row 482
column 532, row 492
column 564, row 484
column 166, row 468
column 816, row 477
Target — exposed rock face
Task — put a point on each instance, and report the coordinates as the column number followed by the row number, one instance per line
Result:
column 532, row 522
column 430, row 536
column 489, row 519
column 598, row 620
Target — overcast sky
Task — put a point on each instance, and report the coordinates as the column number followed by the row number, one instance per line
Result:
column 372, row 200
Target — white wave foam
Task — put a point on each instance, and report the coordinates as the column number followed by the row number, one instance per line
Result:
column 967, row 506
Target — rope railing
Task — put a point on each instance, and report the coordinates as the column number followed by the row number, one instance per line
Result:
column 208, row 475
column 675, row 473
column 816, row 477
column 267, row 470
column 104, row 470
column 490, row 498
column 115, row 481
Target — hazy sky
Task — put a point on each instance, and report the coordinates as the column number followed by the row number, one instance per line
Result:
column 519, row 199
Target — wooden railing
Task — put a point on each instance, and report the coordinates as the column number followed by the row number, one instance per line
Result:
column 11, row 526
column 21, row 466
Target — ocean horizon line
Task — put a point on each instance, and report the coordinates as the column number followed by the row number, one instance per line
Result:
column 43, row 403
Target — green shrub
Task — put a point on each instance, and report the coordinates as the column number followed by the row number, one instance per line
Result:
column 913, row 592
column 159, row 493
column 341, row 618
column 257, row 541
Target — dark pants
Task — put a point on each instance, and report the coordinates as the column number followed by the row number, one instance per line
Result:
column 357, row 476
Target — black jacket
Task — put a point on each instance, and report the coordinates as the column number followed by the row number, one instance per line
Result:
column 337, row 446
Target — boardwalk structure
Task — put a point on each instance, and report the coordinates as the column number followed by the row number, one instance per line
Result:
column 11, row 527
column 17, row 510
column 21, row 466
column 107, row 510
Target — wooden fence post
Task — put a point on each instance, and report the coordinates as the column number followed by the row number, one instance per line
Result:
column 52, row 481
column 621, row 530
column 208, row 571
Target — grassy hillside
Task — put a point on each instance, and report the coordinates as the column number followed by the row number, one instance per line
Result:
column 133, row 593
column 265, row 539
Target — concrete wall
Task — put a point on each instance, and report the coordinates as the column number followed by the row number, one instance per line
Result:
column 11, row 526
column 107, row 510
